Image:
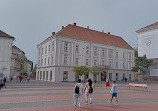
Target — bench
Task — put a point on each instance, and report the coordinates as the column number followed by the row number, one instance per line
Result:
column 144, row 86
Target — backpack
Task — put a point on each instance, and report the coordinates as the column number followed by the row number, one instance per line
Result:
column 77, row 88
column 90, row 89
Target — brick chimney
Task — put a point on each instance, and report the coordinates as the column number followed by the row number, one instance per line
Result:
column 63, row 27
column 109, row 33
column 74, row 24
column 53, row 33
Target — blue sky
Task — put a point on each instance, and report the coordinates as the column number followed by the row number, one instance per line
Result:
column 31, row 21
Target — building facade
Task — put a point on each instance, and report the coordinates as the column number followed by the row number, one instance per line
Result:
column 147, row 45
column 5, row 53
column 78, row 46
column 17, row 61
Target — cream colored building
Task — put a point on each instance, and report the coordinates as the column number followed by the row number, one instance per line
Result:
column 77, row 46
column 5, row 53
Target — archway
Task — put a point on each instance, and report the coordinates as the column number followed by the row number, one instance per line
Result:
column 103, row 76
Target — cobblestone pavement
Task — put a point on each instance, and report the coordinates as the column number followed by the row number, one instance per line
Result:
column 46, row 96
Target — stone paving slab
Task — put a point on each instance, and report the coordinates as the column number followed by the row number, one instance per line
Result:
column 44, row 96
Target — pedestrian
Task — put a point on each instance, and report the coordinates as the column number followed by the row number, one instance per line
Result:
column 17, row 78
column 89, row 89
column 113, row 93
column 4, row 82
column 28, row 78
column 20, row 79
column 1, row 83
column 78, row 93
column 107, row 83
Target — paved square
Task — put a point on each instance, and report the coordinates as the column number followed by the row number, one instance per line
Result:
column 45, row 96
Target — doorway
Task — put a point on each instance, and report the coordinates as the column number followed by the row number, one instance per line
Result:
column 103, row 76
column 65, row 76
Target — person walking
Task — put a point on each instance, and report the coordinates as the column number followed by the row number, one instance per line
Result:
column 107, row 83
column 113, row 93
column 4, row 82
column 78, row 93
column 1, row 83
column 89, row 89
column 28, row 78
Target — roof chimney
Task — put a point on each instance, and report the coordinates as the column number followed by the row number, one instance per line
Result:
column 63, row 27
column 87, row 27
column 109, row 33
column 74, row 24
column 53, row 33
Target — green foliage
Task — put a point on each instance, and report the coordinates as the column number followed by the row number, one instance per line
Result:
column 96, row 70
column 81, row 70
column 142, row 64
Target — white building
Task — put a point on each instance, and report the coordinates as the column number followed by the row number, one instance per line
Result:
column 5, row 53
column 147, row 45
column 77, row 46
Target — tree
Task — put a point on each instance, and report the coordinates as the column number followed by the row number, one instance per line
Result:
column 96, row 70
column 142, row 64
column 81, row 70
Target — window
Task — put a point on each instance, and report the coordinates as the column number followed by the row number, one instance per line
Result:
column 95, row 51
column 130, row 77
column 53, row 46
column 45, row 62
column 103, row 62
column 46, row 50
column 42, row 51
column 110, row 53
column 48, row 60
column 52, row 60
column 123, row 55
column 117, row 76
column 110, row 76
column 103, row 53
column 40, row 75
column 110, row 63
column 129, row 65
column 87, row 62
column 116, row 54
column 65, row 60
column 87, row 50
column 42, row 62
column 123, row 65
column 116, row 64
column 50, row 75
column 38, row 62
column 65, row 46
column 47, row 76
column 77, row 49
column 43, row 75
column 49, row 49
column 130, row 56
column 76, row 61
column 95, row 62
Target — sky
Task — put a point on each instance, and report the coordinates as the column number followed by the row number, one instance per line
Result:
column 32, row 21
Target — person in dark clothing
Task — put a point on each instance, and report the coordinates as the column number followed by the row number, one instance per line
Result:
column 4, row 82
column 20, row 79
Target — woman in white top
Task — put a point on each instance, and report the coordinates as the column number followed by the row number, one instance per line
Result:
column 89, row 89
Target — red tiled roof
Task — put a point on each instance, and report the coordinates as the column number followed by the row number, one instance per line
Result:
column 147, row 27
column 3, row 34
column 78, row 32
